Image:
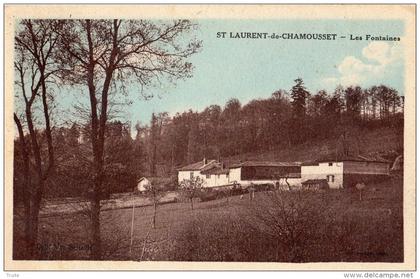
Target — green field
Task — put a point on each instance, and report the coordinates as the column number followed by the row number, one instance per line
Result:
column 312, row 226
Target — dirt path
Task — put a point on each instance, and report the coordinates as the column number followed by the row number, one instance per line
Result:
column 73, row 205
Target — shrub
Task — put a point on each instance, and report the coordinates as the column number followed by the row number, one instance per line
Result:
column 290, row 228
column 297, row 222
column 208, row 195
column 278, row 226
column 191, row 188
column 221, row 237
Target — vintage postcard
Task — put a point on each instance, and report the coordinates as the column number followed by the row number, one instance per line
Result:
column 202, row 137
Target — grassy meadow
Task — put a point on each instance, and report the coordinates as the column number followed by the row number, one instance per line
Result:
column 297, row 226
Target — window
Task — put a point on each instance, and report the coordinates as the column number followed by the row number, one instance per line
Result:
column 191, row 175
column 330, row 164
column 330, row 178
column 207, row 176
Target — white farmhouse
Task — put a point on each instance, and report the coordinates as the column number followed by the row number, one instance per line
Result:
column 244, row 174
column 199, row 169
column 336, row 172
column 346, row 171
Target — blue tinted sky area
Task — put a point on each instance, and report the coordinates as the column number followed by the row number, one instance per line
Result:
column 254, row 68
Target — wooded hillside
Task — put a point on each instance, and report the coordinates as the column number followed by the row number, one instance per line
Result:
column 295, row 126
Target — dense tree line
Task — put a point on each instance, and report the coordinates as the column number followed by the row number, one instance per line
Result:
column 165, row 143
column 280, row 121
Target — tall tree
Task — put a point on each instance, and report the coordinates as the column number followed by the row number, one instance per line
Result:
column 280, row 114
column 108, row 54
column 211, row 123
column 317, row 103
column 388, row 99
column 154, row 134
column 26, row 185
column 317, row 111
column 231, row 129
column 299, row 96
column 193, row 151
column 354, row 98
column 395, row 101
column 35, row 66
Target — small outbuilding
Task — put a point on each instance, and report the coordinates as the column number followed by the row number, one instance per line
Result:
column 141, row 183
column 162, row 183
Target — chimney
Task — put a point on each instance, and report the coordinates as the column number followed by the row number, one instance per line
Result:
column 205, row 161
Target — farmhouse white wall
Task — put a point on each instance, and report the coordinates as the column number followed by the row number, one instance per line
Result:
column 187, row 175
column 322, row 170
column 235, row 175
column 213, row 181
column 216, row 180
column 222, row 179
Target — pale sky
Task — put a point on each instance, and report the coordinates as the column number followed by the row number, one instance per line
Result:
column 248, row 69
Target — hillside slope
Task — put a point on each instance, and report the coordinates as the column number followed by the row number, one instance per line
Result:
column 386, row 143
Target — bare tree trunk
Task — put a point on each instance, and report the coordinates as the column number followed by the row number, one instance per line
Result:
column 227, row 195
column 96, row 252
column 153, row 151
column 47, row 127
column 288, row 185
column 172, row 158
column 37, row 193
column 26, row 194
column 154, row 214
column 117, row 51
column 153, row 166
column 98, row 125
column 94, row 198
column 37, row 47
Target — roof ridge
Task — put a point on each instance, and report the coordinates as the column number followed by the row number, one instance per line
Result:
column 208, row 162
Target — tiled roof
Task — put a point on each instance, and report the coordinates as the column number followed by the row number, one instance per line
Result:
column 141, row 179
column 265, row 164
column 216, row 171
column 359, row 158
column 198, row 166
column 343, row 158
column 209, row 166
